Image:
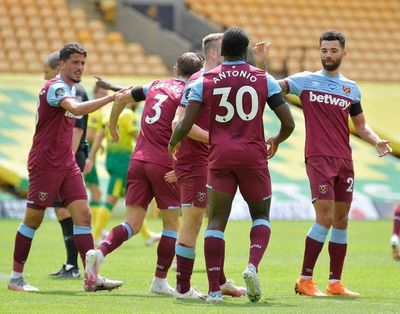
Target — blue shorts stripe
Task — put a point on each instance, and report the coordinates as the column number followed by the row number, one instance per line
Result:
column 261, row 222
column 170, row 234
column 338, row 236
column 82, row 230
column 318, row 233
column 185, row 251
column 214, row 234
column 128, row 229
column 26, row 231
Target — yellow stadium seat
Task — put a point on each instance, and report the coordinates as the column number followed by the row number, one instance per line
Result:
column 115, row 37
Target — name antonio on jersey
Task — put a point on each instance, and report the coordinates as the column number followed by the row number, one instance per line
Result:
column 330, row 100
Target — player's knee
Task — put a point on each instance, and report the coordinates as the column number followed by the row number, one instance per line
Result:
column 341, row 222
column 325, row 220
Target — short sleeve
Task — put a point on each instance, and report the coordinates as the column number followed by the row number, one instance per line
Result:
column 146, row 89
column 357, row 94
column 295, row 83
column 196, row 91
column 273, row 86
column 57, row 92
column 186, row 92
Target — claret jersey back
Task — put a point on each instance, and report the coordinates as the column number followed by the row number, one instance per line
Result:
column 162, row 100
column 192, row 153
column 327, row 102
column 236, row 93
column 52, row 142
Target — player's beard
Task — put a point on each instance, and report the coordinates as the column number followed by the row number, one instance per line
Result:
column 333, row 66
column 75, row 81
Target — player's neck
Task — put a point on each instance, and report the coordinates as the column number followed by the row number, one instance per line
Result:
column 332, row 73
column 67, row 81
column 209, row 65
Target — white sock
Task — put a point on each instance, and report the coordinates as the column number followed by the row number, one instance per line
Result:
column 332, row 281
column 68, row 266
column 100, row 256
column 305, row 277
column 16, row 275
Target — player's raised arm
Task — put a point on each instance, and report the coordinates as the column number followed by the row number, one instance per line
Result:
column 102, row 83
column 260, row 54
column 367, row 134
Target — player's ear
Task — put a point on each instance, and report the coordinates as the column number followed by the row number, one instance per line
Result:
column 175, row 71
column 345, row 53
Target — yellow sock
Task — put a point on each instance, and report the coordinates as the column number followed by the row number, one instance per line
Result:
column 145, row 231
column 103, row 217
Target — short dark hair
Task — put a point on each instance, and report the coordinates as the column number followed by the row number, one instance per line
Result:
column 53, row 59
column 70, row 49
column 234, row 43
column 189, row 63
column 333, row 35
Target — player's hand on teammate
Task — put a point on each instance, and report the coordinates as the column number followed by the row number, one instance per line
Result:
column 260, row 54
column 272, row 147
column 170, row 177
column 383, row 148
column 172, row 150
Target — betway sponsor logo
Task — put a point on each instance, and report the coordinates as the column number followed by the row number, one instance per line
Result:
column 214, row 269
column 255, row 246
column 330, row 100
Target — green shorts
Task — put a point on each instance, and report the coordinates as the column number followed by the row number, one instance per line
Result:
column 117, row 166
column 91, row 177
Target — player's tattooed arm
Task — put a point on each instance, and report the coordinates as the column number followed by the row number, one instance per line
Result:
column 367, row 134
column 260, row 54
column 102, row 83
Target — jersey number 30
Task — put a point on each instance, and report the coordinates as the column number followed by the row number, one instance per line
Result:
column 157, row 108
column 230, row 110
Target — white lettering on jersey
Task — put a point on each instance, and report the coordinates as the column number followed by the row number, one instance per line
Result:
column 235, row 73
column 330, row 100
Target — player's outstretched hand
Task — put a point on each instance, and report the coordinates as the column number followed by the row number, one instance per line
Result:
column 260, row 53
column 102, row 83
column 88, row 166
column 114, row 132
column 170, row 177
column 272, row 147
column 383, row 148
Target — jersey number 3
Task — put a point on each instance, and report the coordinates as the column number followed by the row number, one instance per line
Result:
column 230, row 110
column 157, row 108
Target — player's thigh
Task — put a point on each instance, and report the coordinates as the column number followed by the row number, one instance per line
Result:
column 44, row 186
column 193, row 187
column 138, row 187
column 192, row 218
column 135, row 216
column 33, row 217
column 344, row 185
column 73, row 187
column 324, row 212
column 166, row 194
column 321, row 172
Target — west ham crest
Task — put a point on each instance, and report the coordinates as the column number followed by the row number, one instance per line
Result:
column 43, row 196
column 201, row 197
column 346, row 89
column 323, row 189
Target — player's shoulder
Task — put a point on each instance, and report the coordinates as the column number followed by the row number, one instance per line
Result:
column 196, row 75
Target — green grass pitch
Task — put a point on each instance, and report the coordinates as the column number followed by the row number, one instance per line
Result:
column 369, row 269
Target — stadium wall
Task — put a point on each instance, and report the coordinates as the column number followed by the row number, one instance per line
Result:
column 136, row 27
